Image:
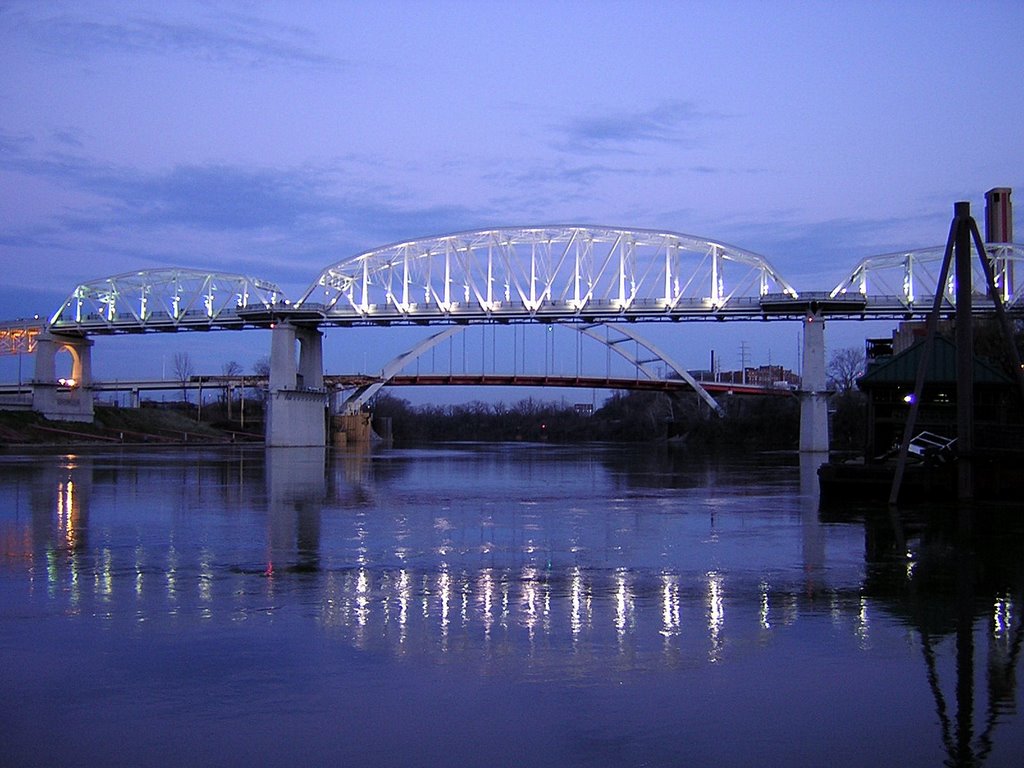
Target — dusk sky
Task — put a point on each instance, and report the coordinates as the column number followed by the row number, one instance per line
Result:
column 274, row 139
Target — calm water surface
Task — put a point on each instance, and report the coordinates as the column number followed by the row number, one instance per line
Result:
column 493, row 605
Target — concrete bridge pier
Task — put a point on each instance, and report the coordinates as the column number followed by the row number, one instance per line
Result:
column 297, row 399
column 352, row 429
column 813, row 395
column 72, row 400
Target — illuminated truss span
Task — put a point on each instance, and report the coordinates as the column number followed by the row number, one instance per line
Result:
column 907, row 278
column 163, row 300
column 592, row 273
column 19, row 336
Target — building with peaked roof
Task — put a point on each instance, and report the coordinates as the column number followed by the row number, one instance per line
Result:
column 889, row 386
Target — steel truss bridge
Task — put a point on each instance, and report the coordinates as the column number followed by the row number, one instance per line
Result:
column 19, row 336
column 588, row 277
column 565, row 273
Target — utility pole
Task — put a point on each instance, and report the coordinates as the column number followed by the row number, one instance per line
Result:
column 744, row 349
column 964, row 331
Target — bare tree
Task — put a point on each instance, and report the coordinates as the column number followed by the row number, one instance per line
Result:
column 845, row 367
column 231, row 370
column 262, row 368
column 183, row 372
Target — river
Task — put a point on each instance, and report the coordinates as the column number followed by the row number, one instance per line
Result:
column 493, row 605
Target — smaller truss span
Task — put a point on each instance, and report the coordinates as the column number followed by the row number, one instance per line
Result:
column 163, row 300
column 544, row 273
column 907, row 279
column 19, row 336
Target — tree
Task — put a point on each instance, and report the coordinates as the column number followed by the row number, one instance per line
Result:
column 845, row 367
column 183, row 372
column 990, row 342
column 849, row 404
column 231, row 370
column 262, row 368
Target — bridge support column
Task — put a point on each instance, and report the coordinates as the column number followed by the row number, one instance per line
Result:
column 813, row 395
column 297, row 400
column 351, row 429
column 63, row 402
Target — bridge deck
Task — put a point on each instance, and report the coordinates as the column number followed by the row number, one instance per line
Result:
column 353, row 381
column 769, row 307
column 581, row 382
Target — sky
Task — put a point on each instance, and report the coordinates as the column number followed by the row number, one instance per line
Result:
column 276, row 138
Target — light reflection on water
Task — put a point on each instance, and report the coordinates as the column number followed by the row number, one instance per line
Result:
column 689, row 587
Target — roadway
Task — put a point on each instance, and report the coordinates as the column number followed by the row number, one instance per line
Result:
column 769, row 307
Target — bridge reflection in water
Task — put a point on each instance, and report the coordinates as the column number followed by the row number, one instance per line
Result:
column 398, row 594
column 383, row 555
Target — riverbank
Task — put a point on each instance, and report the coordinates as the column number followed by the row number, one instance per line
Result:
column 115, row 426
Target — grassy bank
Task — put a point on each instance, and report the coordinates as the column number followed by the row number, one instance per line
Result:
column 114, row 426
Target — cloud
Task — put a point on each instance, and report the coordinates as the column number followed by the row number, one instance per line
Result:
column 671, row 122
column 549, row 190
column 582, row 175
column 67, row 137
column 27, row 301
column 228, row 38
column 12, row 146
column 219, row 197
column 281, row 224
column 816, row 255
column 211, row 197
column 286, row 224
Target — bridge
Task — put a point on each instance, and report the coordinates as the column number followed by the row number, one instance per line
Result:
column 340, row 383
column 598, row 280
column 581, row 382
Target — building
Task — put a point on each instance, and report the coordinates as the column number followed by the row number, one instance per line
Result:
column 762, row 376
column 889, row 386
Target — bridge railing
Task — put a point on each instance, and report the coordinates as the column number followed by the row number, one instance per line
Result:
column 594, row 309
column 605, row 310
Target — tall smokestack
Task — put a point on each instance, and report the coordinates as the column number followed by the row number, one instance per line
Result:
column 998, row 216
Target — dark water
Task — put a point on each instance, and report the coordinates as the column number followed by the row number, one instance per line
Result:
column 493, row 605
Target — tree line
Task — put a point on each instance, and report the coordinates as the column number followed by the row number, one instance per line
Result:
column 752, row 422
